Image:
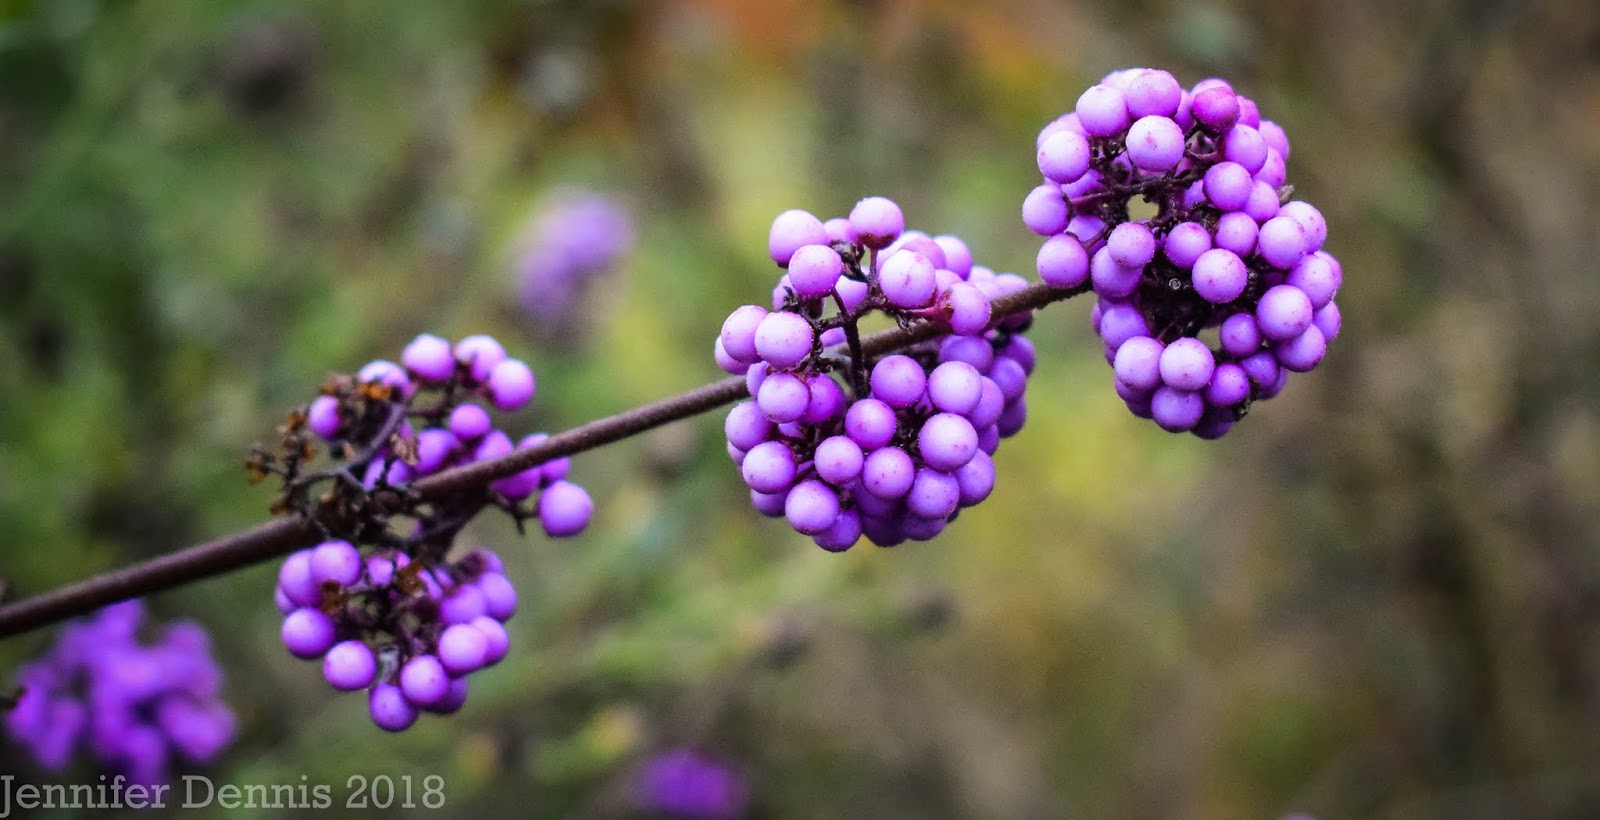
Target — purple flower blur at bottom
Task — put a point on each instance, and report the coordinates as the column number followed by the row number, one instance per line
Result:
column 685, row 783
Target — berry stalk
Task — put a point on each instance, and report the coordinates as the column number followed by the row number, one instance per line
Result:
column 274, row 539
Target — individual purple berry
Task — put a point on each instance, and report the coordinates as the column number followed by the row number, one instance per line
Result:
column 783, row 340
column 1318, row 276
column 469, row 422
column 1228, row 186
column 811, row 507
column 769, row 467
column 898, row 381
column 814, row 270
column 1131, row 245
column 1138, row 361
column 480, row 354
column 349, row 665
column 746, row 425
column 499, row 596
column 564, row 509
column 336, row 561
column 1045, row 210
column 429, row 358
column 955, row 387
column 967, row 307
column 322, row 416
column 435, row 446
column 791, row 231
column 1185, row 243
column 307, row 633
column 462, row 649
column 1263, row 202
column 1282, row 242
column 1244, row 145
column 1155, row 143
column 1152, row 92
column 1283, row 313
column 1236, row 233
column 1120, row 322
column 933, row 494
column 838, row 460
column 1062, row 262
column 888, row 473
column 423, row 679
column 1187, row 364
column 1113, row 280
column 783, row 397
column 1216, row 108
column 907, row 280
column 1064, row 157
column 1175, row 410
column 1102, row 111
column 878, row 222
column 1239, row 335
column 843, row 534
column 1302, row 353
column 947, row 441
column 296, row 581
column 1229, row 385
column 510, row 385
column 390, row 709
column 870, row 423
column 1220, row 276
column 739, row 333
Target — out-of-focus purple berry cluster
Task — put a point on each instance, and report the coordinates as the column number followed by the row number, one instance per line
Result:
column 576, row 239
column 137, row 706
column 892, row 447
column 408, row 631
column 1225, row 250
column 685, row 783
column 384, row 607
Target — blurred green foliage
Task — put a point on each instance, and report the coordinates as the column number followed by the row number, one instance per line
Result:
column 1378, row 597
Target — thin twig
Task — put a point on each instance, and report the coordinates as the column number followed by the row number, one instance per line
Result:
column 284, row 535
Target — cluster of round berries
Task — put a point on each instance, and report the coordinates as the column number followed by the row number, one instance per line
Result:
column 579, row 237
column 1224, row 249
column 135, row 705
column 454, row 432
column 402, row 620
column 904, row 443
column 410, row 631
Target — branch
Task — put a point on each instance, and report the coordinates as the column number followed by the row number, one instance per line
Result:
column 282, row 536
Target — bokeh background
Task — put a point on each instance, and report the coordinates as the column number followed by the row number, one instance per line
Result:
column 1378, row 597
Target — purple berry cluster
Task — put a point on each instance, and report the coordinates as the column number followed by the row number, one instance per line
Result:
column 845, row 444
column 578, row 238
column 449, row 431
column 408, row 630
column 399, row 618
column 137, row 706
column 1225, row 250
